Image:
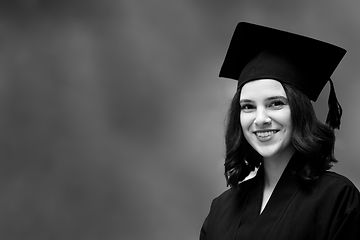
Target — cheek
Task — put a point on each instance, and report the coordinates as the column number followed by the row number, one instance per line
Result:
column 245, row 121
column 283, row 118
column 287, row 123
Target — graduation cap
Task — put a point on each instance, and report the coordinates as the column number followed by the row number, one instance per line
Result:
column 259, row 52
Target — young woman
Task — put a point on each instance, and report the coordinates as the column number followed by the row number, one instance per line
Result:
column 272, row 128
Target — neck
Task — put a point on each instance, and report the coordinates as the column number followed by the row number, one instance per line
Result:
column 274, row 167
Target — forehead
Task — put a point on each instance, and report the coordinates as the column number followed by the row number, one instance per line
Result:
column 262, row 88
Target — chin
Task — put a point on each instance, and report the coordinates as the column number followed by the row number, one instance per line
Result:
column 272, row 151
column 267, row 152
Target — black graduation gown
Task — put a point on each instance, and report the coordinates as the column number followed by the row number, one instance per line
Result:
column 327, row 208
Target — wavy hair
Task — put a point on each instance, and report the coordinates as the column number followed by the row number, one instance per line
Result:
column 312, row 138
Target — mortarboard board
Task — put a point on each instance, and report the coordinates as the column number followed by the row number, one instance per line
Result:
column 259, row 52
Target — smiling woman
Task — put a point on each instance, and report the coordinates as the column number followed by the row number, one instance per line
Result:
column 272, row 127
column 266, row 125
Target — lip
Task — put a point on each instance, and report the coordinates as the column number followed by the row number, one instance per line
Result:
column 265, row 130
column 266, row 137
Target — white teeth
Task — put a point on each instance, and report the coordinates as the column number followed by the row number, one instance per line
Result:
column 265, row 134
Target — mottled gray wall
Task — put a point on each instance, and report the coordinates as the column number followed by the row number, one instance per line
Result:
column 113, row 115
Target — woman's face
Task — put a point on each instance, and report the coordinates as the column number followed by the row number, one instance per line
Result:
column 266, row 118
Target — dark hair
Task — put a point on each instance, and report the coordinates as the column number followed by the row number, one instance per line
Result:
column 312, row 138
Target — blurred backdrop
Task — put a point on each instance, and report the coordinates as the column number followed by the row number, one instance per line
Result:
column 112, row 112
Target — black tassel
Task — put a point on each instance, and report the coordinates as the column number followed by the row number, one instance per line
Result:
column 335, row 110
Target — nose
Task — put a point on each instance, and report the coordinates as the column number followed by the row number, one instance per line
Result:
column 262, row 118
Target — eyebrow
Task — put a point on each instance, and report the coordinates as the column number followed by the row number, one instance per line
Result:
column 267, row 99
column 276, row 97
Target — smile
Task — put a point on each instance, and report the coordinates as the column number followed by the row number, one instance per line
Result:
column 265, row 135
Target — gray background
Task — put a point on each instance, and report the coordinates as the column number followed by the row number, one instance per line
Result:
column 112, row 114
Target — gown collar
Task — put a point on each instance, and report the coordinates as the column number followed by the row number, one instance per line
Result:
column 284, row 192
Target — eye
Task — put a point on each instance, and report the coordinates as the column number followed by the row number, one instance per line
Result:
column 277, row 104
column 246, row 107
